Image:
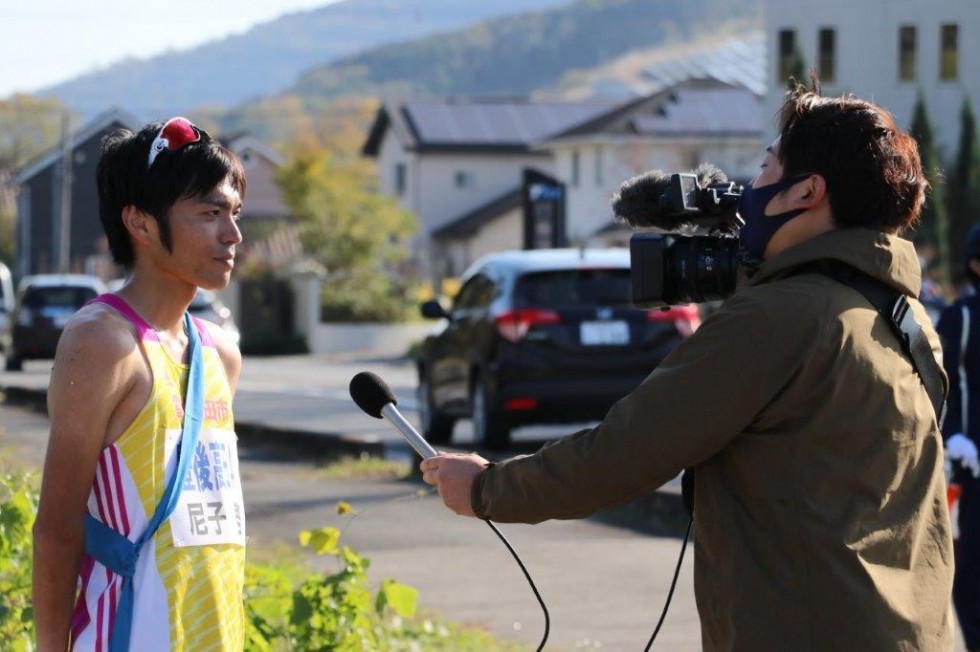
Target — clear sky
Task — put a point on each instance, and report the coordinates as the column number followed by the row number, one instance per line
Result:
column 43, row 42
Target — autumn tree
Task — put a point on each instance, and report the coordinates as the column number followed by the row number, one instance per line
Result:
column 28, row 126
column 357, row 234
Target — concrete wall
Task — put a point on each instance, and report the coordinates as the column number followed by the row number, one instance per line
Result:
column 381, row 340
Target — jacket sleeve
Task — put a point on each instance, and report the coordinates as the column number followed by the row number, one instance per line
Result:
column 950, row 329
column 707, row 391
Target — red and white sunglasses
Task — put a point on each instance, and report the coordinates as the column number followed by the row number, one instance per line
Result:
column 175, row 134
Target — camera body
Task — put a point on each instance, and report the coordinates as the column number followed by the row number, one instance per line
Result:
column 687, row 250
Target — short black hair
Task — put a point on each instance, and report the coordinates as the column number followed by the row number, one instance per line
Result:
column 124, row 179
column 871, row 166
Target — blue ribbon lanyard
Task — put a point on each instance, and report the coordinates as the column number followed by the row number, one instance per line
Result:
column 115, row 551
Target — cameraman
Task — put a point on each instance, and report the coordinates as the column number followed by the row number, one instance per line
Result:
column 819, row 503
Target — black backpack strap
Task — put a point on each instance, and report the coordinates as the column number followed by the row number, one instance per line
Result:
column 894, row 307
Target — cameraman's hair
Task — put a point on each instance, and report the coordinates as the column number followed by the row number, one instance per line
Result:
column 123, row 179
column 872, row 168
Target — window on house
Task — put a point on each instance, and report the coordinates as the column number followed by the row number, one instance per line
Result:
column 576, row 165
column 400, row 178
column 827, row 53
column 464, row 179
column 598, row 166
column 906, row 53
column 787, row 50
column 949, row 54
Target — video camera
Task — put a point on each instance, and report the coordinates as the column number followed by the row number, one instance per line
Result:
column 688, row 249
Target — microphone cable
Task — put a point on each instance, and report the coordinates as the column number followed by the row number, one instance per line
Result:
column 673, row 585
column 527, row 575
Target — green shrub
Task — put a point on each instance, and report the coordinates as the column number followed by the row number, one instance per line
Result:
column 18, row 505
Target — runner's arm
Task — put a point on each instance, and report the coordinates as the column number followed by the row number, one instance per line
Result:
column 92, row 374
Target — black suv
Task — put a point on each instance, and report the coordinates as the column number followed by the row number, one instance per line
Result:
column 544, row 336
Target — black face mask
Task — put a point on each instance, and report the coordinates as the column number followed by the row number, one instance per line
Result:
column 759, row 227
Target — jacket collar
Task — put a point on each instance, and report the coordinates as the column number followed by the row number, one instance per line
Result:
column 888, row 258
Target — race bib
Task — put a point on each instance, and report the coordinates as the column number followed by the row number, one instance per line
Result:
column 210, row 509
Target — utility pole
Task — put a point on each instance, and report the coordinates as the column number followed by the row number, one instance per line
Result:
column 64, row 242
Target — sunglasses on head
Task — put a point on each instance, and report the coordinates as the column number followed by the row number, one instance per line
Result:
column 175, row 134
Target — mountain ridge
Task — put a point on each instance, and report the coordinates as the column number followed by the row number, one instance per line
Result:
column 269, row 56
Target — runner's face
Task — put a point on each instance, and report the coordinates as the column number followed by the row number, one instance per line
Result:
column 204, row 235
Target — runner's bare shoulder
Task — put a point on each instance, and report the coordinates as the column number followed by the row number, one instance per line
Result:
column 98, row 336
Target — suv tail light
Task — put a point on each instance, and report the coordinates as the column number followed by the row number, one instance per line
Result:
column 513, row 325
column 686, row 318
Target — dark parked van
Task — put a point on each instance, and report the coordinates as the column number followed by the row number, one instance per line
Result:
column 44, row 304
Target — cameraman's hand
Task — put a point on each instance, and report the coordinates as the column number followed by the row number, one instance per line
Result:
column 453, row 475
column 960, row 448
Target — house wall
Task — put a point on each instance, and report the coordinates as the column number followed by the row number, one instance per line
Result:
column 505, row 232
column 431, row 191
column 36, row 223
column 263, row 198
column 39, row 214
column 87, row 236
column 442, row 201
column 867, row 63
column 587, row 206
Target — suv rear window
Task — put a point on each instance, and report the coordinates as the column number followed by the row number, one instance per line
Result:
column 58, row 297
column 574, row 288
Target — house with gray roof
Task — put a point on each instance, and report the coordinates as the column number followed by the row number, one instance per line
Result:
column 443, row 159
column 459, row 164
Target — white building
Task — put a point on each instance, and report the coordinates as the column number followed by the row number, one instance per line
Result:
column 885, row 51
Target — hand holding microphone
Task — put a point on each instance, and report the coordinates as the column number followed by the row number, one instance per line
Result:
column 374, row 397
column 452, row 474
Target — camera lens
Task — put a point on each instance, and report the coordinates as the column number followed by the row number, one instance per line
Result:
column 699, row 269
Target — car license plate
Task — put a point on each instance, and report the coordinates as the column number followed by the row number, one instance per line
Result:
column 598, row 333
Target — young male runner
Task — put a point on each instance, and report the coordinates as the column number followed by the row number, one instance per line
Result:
column 169, row 201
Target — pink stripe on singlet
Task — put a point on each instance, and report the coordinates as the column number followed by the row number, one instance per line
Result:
column 119, row 304
column 81, row 618
column 109, row 517
column 120, row 495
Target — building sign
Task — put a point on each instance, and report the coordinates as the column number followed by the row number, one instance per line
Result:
column 544, row 211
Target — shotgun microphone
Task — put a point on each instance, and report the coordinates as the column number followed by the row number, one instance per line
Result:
column 376, row 399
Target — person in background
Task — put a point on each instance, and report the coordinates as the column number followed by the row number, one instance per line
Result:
column 959, row 328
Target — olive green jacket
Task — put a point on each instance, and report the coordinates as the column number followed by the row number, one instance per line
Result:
column 820, row 517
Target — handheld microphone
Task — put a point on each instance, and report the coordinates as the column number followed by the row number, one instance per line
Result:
column 376, row 399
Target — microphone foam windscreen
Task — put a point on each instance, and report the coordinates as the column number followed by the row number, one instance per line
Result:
column 371, row 393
